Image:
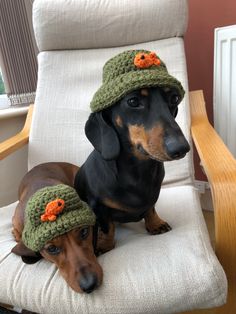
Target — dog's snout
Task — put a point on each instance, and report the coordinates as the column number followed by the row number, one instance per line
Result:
column 88, row 282
column 176, row 147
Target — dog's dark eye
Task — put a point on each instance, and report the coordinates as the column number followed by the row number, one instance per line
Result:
column 53, row 250
column 84, row 232
column 174, row 99
column 133, row 102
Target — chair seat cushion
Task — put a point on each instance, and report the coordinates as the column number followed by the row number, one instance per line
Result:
column 168, row 273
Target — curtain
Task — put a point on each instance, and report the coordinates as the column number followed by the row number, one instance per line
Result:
column 18, row 52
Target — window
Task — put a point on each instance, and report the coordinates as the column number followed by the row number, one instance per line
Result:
column 2, row 87
column 4, row 100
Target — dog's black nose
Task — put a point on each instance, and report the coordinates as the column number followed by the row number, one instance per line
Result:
column 176, row 148
column 88, row 282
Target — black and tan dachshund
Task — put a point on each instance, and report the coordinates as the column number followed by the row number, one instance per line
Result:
column 122, row 177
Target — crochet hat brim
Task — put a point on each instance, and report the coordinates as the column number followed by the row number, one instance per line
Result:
column 110, row 92
column 35, row 237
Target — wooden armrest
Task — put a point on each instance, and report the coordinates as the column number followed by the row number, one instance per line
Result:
column 220, row 167
column 20, row 139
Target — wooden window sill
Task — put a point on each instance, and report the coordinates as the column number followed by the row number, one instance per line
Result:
column 13, row 112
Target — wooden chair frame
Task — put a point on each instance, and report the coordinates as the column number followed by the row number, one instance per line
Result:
column 17, row 141
column 220, row 168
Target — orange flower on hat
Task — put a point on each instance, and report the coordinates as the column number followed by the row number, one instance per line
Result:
column 52, row 209
column 146, row 60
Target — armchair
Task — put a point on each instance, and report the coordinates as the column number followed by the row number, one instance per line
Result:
column 170, row 273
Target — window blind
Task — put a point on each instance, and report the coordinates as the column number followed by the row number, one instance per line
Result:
column 18, row 55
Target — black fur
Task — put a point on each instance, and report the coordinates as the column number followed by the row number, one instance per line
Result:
column 113, row 171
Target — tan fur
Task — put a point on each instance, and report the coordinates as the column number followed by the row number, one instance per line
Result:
column 151, row 140
column 77, row 256
column 116, row 205
column 138, row 135
column 119, row 121
column 144, row 92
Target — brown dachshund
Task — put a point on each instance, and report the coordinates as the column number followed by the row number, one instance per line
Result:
column 73, row 252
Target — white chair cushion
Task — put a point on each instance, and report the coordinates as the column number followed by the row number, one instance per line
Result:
column 61, row 25
column 168, row 273
column 67, row 81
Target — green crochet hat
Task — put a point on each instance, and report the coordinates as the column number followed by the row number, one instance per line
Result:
column 131, row 70
column 53, row 211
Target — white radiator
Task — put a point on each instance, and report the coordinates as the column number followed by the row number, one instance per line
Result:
column 225, row 85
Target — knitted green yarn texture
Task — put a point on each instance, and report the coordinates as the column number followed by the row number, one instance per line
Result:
column 121, row 76
column 75, row 213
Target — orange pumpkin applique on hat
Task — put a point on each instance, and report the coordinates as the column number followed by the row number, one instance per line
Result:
column 52, row 209
column 146, row 60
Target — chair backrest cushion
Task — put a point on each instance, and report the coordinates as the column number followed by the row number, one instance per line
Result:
column 84, row 24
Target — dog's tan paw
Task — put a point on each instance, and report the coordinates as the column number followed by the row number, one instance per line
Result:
column 154, row 224
column 159, row 229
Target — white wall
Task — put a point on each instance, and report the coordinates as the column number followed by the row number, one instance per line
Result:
column 224, row 85
column 12, row 168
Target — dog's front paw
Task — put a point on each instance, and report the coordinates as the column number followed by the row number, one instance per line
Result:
column 103, row 246
column 101, row 249
column 154, row 224
column 105, row 241
column 163, row 227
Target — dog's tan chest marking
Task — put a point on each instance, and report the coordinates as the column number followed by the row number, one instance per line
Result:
column 115, row 205
column 112, row 204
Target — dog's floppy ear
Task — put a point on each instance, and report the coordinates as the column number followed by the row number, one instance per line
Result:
column 28, row 256
column 102, row 136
